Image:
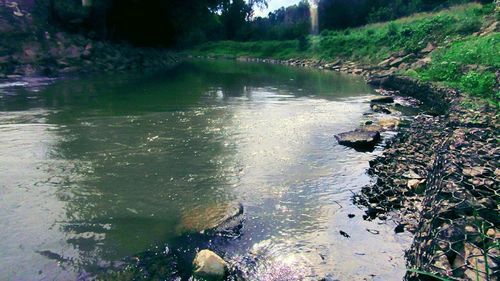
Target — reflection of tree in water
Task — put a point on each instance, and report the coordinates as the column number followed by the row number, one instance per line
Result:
column 139, row 169
column 145, row 152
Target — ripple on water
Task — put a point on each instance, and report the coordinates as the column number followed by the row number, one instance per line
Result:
column 108, row 169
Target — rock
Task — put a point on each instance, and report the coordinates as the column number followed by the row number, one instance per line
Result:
column 380, row 109
column 411, row 175
column 473, row 171
column 218, row 217
column 389, row 123
column 429, row 48
column 382, row 100
column 343, row 233
column 414, row 183
column 357, row 71
column 385, row 62
column 359, row 139
column 396, row 62
column 371, row 128
column 400, row 228
column 491, row 232
column 470, row 229
column 476, row 264
column 209, row 266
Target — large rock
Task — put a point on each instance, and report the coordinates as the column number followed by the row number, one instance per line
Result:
column 360, row 140
column 383, row 99
column 216, row 217
column 209, row 266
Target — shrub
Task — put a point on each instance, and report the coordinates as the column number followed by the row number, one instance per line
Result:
column 479, row 84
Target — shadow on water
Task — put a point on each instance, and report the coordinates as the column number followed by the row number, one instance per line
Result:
column 124, row 171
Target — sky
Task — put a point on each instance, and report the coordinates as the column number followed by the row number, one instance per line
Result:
column 274, row 5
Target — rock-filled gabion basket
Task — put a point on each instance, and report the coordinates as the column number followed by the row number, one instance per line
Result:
column 439, row 178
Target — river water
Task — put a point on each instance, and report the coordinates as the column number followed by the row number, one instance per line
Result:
column 101, row 173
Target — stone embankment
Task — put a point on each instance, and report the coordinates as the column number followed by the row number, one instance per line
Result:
column 439, row 179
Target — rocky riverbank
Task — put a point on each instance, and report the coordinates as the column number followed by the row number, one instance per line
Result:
column 439, row 177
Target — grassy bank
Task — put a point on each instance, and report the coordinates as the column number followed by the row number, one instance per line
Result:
column 463, row 59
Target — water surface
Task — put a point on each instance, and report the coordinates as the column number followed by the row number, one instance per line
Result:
column 97, row 171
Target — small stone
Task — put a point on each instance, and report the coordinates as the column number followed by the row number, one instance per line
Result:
column 400, row 228
column 473, row 171
column 470, row 229
column 208, row 264
column 388, row 122
column 411, row 175
column 491, row 232
column 414, row 183
column 343, row 233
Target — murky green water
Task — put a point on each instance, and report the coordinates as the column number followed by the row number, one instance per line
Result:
column 97, row 171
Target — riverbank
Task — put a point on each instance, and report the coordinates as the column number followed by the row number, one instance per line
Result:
column 31, row 48
column 457, row 47
column 440, row 176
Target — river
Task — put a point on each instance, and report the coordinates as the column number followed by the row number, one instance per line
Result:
column 102, row 172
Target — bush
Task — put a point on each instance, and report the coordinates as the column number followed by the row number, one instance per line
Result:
column 444, row 71
column 479, row 84
column 392, row 29
column 303, row 43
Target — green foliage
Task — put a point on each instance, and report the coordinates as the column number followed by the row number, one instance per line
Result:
column 479, row 84
column 303, row 43
column 392, row 29
column 468, row 65
column 258, row 49
column 443, row 71
column 430, row 274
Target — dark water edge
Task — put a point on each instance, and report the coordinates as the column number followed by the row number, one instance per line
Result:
column 162, row 259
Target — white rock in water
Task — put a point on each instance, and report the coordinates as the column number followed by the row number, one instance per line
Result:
column 208, row 265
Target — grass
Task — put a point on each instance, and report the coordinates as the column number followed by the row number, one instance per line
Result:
column 257, row 49
column 373, row 43
column 464, row 61
column 469, row 65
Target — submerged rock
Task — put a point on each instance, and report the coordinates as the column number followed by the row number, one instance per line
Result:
column 209, row 266
column 359, row 139
column 218, row 217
